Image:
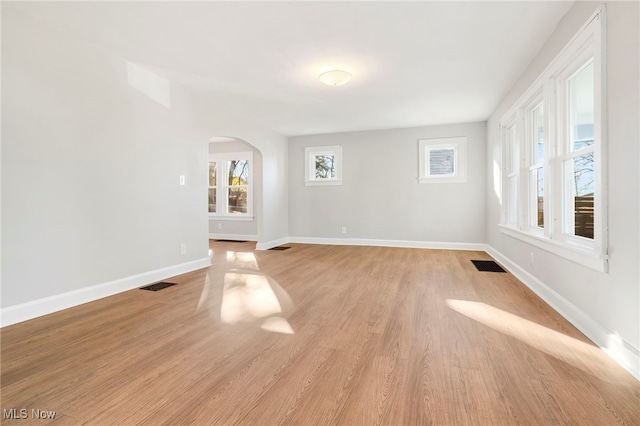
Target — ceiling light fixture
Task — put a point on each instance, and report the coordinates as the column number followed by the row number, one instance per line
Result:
column 335, row 77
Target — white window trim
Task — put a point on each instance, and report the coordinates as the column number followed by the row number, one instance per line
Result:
column 237, row 217
column 591, row 253
column 529, row 164
column 575, row 253
column 310, row 154
column 222, row 207
column 459, row 146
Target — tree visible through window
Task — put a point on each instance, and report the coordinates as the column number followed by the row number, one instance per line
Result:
column 238, row 173
column 325, row 166
column 554, row 176
column 230, row 184
column 579, row 168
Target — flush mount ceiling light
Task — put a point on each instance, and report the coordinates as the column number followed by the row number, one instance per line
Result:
column 334, row 77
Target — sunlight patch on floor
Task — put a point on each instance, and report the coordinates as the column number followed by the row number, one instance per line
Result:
column 235, row 291
column 242, row 261
column 246, row 297
column 586, row 357
column 277, row 325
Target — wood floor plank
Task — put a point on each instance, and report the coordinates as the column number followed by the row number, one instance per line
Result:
column 316, row 334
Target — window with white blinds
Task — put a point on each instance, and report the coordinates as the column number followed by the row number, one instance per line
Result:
column 443, row 160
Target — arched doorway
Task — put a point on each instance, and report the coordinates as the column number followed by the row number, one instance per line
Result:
column 234, row 189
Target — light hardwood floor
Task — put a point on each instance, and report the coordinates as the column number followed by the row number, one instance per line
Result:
column 317, row 335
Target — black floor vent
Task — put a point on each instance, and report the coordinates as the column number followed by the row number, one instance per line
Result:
column 157, row 286
column 231, row 241
column 280, row 248
column 487, row 266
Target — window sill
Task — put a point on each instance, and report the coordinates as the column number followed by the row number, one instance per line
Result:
column 236, row 218
column 322, row 182
column 442, row 180
column 576, row 254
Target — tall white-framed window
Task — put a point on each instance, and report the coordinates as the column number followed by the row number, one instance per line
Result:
column 323, row 165
column 442, row 160
column 554, row 136
column 577, row 144
column 533, row 155
column 231, row 186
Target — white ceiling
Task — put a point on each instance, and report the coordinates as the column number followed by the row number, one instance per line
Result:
column 413, row 63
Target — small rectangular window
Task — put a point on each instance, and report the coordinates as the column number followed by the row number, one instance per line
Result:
column 323, row 165
column 442, row 160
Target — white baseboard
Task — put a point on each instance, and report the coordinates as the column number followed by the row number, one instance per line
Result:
column 37, row 308
column 619, row 350
column 390, row 243
column 237, row 237
column 273, row 243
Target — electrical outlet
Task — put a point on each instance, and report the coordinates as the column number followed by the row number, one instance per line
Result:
column 344, row 229
column 183, row 248
column 219, row 226
column 183, row 179
column 532, row 259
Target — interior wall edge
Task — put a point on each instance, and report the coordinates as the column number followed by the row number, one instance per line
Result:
column 238, row 237
column 47, row 305
column 621, row 351
column 273, row 243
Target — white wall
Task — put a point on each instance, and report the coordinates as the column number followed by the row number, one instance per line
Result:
column 238, row 229
column 605, row 306
column 272, row 214
column 381, row 198
column 90, row 198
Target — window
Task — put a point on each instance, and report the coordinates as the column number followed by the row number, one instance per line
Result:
column 577, row 154
column 531, row 153
column 553, row 147
column 323, row 165
column 442, row 160
column 230, row 185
